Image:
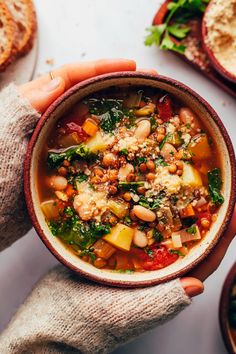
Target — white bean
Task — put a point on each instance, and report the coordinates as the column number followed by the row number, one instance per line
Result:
column 143, row 130
column 187, row 116
column 140, row 239
column 144, row 213
column 168, row 151
column 83, row 206
column 58, row 182
column 124, row 171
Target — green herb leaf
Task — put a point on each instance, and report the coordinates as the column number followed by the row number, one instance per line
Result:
column 55, row 159
column 81, row 178
column 157, row 236
column 178, row 31
column 214, row 185
column 160, row 161
column 192, row 230
column 130, row 185
column 176, row 252
column 153, row 202
column 155, row 34
column 88, row 253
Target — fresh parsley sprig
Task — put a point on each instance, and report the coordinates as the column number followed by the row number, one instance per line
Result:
column 180, row 11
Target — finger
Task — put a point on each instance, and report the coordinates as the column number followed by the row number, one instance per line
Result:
column 148, row 71
column 212, row 262
column 41, row 98
column 192, row 286
column 77, row 72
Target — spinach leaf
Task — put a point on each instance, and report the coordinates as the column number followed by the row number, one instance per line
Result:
column 55, row 159
column 153, row 202
column 130, row 185
column 157, row 236
column 192, row 230
column 74, row 231
column 110, row 112
column 214, row 185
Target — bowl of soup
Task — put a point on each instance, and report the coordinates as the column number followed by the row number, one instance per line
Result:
column 129, row 179
column 227, row 311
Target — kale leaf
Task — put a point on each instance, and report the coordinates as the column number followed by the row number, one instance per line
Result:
column 55, row 159
column 153, row 202
column 214, row 185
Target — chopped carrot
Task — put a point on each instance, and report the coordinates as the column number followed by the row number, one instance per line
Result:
column 70, row 191
column 90, row 127
column 187, row 211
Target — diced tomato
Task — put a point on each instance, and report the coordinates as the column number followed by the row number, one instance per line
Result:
column 158, row 257
column 164, row 106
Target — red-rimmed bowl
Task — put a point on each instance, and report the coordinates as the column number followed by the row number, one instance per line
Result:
column 214, row 61
column 211, row 121
column 229, row 335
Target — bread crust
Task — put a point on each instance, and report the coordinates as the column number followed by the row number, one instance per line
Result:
column 7, row 27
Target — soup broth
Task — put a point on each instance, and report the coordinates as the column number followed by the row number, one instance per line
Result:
column 129, row 180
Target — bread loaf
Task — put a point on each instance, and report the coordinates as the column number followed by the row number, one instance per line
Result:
column 7, row 34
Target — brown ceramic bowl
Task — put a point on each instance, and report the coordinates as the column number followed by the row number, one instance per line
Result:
column 214, row 61
column 211, row 121
column 228, row 334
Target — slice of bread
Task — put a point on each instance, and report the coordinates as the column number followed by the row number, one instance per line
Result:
column 25, row 24
column 7, row 33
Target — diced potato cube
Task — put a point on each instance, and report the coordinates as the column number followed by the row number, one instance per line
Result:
column 103, row 249
column 199, row 147
column 191, row 177
column 119, row 208
column 176, row 239
column 96, row 143
column 120, row 236
column 50, row 209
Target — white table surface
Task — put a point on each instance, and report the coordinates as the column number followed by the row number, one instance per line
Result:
column 84, row 30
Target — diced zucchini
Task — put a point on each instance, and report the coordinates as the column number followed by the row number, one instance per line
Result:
column 103, row 249
column 50, row 209
column 191, row 177
column 120, row 236
column 119, row 208
column 199, row 147
column 96, row 143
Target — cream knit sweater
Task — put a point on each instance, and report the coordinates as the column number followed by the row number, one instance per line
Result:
column 65, row 313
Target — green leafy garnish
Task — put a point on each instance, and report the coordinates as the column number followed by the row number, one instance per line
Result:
column 88, row 253
column 130, row 185
column 55, row 159
column 157, row 236
column 180, row 254
column 180, row 11
column 110, row 112
column 124, row 152
column 160, row 161
column 214, row 185
column 74, row 231
column 192, row 230
column 153, row 202
column 167, row 136
column 81, row 178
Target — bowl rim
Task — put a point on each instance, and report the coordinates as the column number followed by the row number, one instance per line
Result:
column 223, row 308
column 33, row 142
column 214, row 61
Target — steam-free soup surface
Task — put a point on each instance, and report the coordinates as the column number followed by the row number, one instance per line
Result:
column 129, row 180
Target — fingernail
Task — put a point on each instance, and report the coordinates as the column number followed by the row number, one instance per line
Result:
column 194, row 290
column 52, row 85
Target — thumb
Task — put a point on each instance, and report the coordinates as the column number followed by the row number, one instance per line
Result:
column 192, row 286
column 40, row 98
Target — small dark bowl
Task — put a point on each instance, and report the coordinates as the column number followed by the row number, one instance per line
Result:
column 130, row 79
column 215, row 63
column 223, row 311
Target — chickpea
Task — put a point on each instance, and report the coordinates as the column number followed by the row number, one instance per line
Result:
column 127, row 196
column 179, row 172
column 66, row 163
column 112, row 189
column 113, row 175
column 179, row 164
column 98, row 172
column 99, row 262
column 143, row 130
column 161, row 130
column 109, row 159
column 179, row 155
column 172, row 168
column 58, row 182
column 151, row 165
column 124, row 171
column 113, row 220
column 140, row 239
column 144, row 213
column 143, row 168
column 150, row 176
column 96, row 180
column 141, row 190
column 205, row 223
column 130, row 177
column 160, row 137
column 62, row 171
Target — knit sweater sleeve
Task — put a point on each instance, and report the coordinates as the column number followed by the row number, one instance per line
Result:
column 17, row 120
column 67, row 314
